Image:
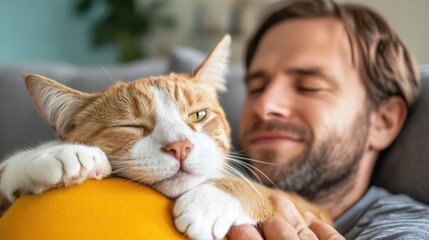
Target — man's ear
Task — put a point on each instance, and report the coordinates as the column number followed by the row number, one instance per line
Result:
column 386, row 122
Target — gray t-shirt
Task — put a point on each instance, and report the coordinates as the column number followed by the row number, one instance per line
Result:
column 382, row 215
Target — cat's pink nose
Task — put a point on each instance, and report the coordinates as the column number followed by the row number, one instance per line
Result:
column 178, row 149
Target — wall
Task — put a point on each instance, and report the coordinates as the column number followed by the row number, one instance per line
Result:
column 410, row 19
column 49, row 30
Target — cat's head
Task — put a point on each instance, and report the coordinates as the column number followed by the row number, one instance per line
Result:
column 169, row 132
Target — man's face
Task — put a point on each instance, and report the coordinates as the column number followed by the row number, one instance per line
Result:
column 306, row 109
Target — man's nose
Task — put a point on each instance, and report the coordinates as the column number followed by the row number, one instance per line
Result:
column 178, row 149
column 276, row 101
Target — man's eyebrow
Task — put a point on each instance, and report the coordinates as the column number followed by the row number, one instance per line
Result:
column 310, row 71
column 254, row 75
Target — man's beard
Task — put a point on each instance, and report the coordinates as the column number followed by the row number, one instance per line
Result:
column 331, row 162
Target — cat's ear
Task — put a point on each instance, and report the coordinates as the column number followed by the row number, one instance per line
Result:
column 56, row 103
column 214, row 67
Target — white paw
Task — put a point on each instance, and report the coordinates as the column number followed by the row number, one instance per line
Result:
column 206, row 212
column 38, row 170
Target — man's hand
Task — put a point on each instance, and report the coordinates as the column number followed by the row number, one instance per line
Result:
column 278, row 228
column 291, row 226
column 325, row 231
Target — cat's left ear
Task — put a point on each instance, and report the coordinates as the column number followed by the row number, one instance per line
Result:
column 214, row 67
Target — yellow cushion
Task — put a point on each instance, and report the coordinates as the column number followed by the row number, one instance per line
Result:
column 108, row 209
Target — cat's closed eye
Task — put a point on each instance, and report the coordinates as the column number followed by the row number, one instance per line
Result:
column 140, row 126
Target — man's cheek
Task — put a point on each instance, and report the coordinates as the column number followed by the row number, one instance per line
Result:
column 245, row 122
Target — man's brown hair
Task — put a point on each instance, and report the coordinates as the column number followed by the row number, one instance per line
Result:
column 385, row 65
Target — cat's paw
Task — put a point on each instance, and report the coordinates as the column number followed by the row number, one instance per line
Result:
column 206, row 212
column 39, row 170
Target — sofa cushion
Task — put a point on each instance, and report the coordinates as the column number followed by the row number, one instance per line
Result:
column 113, row 208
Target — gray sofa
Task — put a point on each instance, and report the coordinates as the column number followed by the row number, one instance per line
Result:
column 402, row 168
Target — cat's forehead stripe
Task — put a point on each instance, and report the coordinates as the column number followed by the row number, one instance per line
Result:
column 178, row 90
column 136, row 107
column 139, row 101
column 170, row 126
column 188, row 98
column 165, row 106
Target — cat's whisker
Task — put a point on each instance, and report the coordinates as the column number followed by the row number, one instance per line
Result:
column 193, row 69
column 242, row 178
column 242, row 169
column 227, row 173
column 236, row 173
column 123, row 160
column 119, row 170
column 141, row 179
column 239, row 152
column 233, row 173
column 242, row 157
column 111, row 156
column 252, row 169
column 128, row 172
column 104, row 69
column 136, row 179
column 122, row 166
column 246, row 165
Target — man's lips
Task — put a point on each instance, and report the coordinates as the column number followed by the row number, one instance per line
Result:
column 273, row 137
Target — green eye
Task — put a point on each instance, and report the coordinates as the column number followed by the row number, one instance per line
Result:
column 197, row 116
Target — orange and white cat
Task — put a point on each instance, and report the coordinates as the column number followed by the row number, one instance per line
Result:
column 167, row 132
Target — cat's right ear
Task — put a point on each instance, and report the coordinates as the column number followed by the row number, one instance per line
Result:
column 56, row 103
column 212, row 71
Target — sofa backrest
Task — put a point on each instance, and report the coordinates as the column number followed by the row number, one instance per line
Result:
column 20, row 124
column 402, row 168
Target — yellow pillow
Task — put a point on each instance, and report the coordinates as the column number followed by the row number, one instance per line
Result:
column 108, row 209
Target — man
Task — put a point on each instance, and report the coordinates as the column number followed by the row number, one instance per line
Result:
column 329, row 86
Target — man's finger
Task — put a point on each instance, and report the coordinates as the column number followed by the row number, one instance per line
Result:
column 243, row 232
column 288, row 211
column 278, row 228
column 325, row 231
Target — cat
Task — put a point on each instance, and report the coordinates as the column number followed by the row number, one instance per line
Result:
column 167, row 132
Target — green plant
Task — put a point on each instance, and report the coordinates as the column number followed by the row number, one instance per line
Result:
column 124, row 24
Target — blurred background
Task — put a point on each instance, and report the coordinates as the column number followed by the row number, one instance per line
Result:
column 89, row 32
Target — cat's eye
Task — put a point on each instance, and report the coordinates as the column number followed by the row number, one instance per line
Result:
column 197, row 116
